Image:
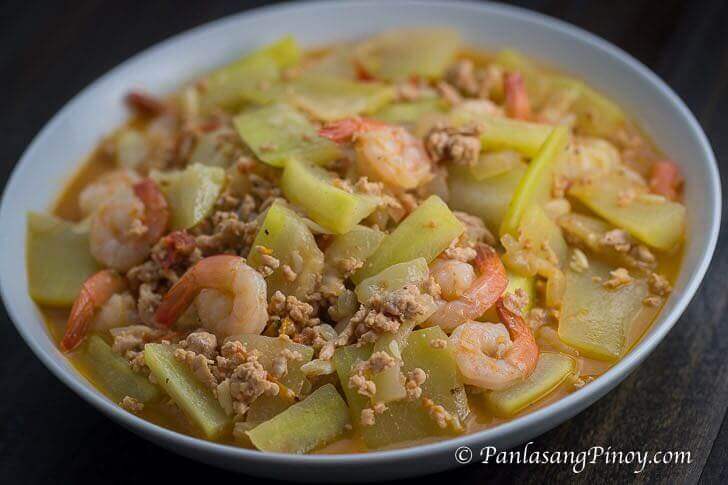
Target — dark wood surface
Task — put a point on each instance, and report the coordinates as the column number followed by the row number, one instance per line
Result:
column 675, row 401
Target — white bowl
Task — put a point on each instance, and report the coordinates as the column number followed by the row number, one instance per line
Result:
column 57, row 151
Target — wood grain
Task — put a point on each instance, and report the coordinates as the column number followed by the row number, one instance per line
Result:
column 675, row 401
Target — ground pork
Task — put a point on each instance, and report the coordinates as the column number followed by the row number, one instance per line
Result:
column 415, row 378
column 441, row 416
column 460, row 146
column 132, row 405
column 228, row 235
column 618, row 278
column 475, row 82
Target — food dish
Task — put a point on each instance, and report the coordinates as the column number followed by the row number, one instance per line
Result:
column 374, row 245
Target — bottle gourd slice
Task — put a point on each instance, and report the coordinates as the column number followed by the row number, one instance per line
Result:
column 535, row 186
column 425, row 233
column 114, row 375
column 551, row 370
column 285, row 236
column 653, row 220
column 487, row 199
column 191, row 193
column 317, row 420
column 406, row 420
column 279, row 132
column 597, row 320
column 59, row 259
column 401, row 54
column 244, row 79
column 329, row 98
column 195, row 400
column 311, row 188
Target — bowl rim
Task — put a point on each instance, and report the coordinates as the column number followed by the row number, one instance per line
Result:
column 571, row 403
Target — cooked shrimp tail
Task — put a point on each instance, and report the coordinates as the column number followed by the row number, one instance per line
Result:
column 230, row 296
column 666, row 179
column 480, row 296
column 495, row 356
column 387, row 153
column 525, row 350
column 95, row 291
column 517, row 103
column 157, row 212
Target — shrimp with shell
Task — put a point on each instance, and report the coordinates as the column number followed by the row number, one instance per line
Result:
column 495, row 356
column 97, row 291
column 125, row 227
column 467, row 291
column 230, row 297
column 384, row 152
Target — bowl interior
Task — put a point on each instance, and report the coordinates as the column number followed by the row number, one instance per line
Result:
column 58, row 150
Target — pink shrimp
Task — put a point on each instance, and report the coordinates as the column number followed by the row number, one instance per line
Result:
column 387, row 153
column 666, row 179
column 517, row 103
column 125, row 227
column 493, row 356
column 230, row 297
column 95, row 292
column 473, row 295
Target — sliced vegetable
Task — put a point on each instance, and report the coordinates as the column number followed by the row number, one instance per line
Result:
column 535, row 186
column 191, row 193
column 407, row 420
column 424, row 233
column 330, row 98
column 595, row 319
column 501, row 133
column 58, row 259
column 487, row 199
column 248, row 78
column 542, row 235
column 409, row 112
column 338, row 62
column 395, row 277
column 551, row 370
column 309, row 424
column 285, row 236
column 313, row 189
column 279, row 132
column 266, row 407
column 596, row 114
column 214, row 149
column 390, row 384
column 195, row 400
column 406, row 53
column 271, row 348
column 358, row 244
column 495, row 163
column 650, row 218
column 114, row 375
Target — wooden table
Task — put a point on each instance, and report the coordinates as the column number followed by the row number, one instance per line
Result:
column 675, row 401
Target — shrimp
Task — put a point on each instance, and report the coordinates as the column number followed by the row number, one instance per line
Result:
column 104, row 188
column 492, row 355
column 96, row 291
column 230, row 297
column 387, row 153
column 517, row 103
column 124, row 228
column 666, row 179
column 469, row 295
